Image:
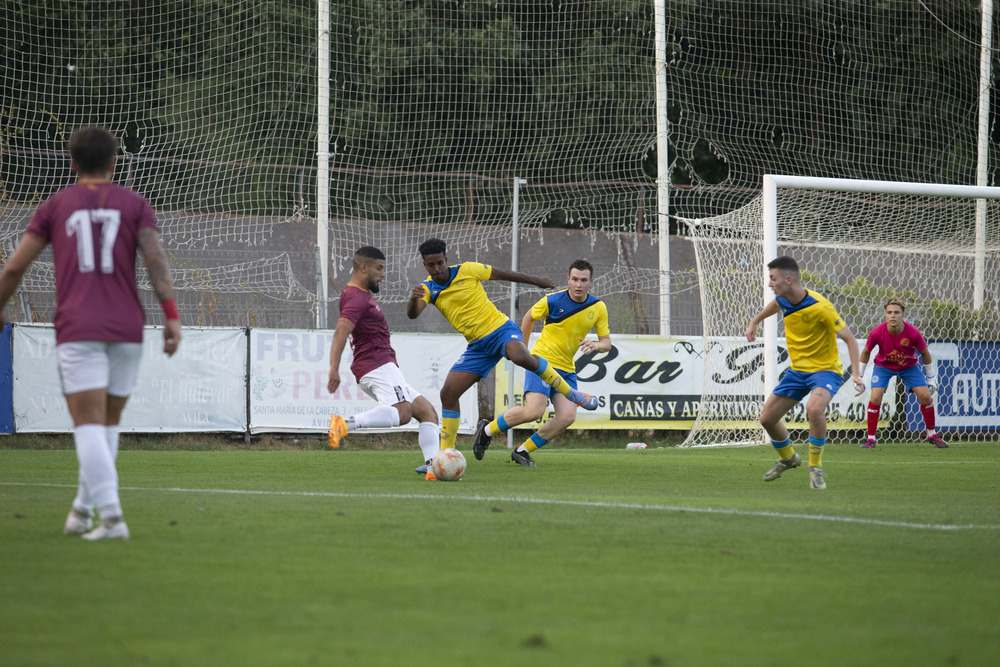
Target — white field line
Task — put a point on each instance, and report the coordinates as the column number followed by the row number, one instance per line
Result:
column 549, row 501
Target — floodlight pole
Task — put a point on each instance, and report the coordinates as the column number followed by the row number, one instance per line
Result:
column 323, row 165
column 514, row 264
column 662, row 163
column 983, row 152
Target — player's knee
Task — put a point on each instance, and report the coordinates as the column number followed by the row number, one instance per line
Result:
column 423, row 411
column 534, row 414
column 518, row 354
column 563, row 423
column 816, row 413
column 405, row 412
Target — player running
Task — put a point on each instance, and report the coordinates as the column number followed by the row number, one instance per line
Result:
column 95, row 228
column 569, row 316
column 898, row 343
column 457, row 291
column 812, row 327
column 374, row 365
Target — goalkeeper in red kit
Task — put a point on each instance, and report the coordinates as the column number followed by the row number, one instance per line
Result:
column 898, row 344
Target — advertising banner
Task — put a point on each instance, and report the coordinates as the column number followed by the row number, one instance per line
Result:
column 657, row 383
column 201, row 388
column 289, row 369
column 968, row 380
column 6, row 383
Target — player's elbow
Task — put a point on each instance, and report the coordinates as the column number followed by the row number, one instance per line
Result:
column 13, row 271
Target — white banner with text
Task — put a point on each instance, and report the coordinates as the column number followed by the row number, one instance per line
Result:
column 655, row 382
column 289, row 369
column 201, row 388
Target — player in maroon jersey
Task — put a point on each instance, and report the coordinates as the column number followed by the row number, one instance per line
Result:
column 898, row 343
column 95, row 228
column 374, row 366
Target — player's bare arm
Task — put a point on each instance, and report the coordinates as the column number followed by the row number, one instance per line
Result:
column 852, row 350
column 30, row 246
column 416, row 304
column 602, row 344
column 516, row 277
column 340, row 334
column 158, row 269
column 527, row 324
column 770, row 309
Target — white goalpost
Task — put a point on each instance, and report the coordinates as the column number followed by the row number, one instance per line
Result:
column 858, row 243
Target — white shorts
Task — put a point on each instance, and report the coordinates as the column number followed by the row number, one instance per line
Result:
column 90, row 364
column 387, row 385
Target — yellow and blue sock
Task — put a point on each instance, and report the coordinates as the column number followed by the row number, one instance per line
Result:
column 534, row 442
column 497, row 426
column 552, row 378
column 784, row 447
column 449, row 428
column 816, row 451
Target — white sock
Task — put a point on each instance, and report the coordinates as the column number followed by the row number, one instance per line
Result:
column 383, row 416
column 83, row 502
column 97, row 468
column 489, row 431
column 429, row 439
column 113, row 434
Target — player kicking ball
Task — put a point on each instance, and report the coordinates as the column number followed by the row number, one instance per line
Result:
column 569, row 315
column 457, row 292
column 374, row 365
column 898, row 342
column 812, row 327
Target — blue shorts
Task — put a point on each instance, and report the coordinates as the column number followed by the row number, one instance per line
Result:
column 536, row 384
column 483, row 354
column 911, row 377
column 796, row 384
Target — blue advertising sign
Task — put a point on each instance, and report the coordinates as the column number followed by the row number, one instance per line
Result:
column 6, row 383
column 968, row 395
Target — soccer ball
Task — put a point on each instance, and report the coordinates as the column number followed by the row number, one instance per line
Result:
column 448, row 465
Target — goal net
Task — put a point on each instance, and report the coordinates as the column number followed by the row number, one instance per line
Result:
column 858, row 243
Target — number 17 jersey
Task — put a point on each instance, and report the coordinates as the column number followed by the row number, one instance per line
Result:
column 93, row 228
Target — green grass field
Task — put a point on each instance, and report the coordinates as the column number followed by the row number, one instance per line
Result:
column 597, row 557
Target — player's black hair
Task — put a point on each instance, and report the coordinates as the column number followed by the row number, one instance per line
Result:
column 92, row 149
column 368, row 252
column 432, row 247
column 784, row 263
column 582, row 265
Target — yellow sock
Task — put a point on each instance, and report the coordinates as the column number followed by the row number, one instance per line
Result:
column 449, row 428
column 529, row 446
column 550, row 376
column 815, row 456
column 786, row 452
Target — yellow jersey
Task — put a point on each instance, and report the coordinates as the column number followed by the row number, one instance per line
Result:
column 811, row 328
column 463, row 301
column 566, row 322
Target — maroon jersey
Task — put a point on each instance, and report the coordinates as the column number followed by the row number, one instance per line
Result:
column 370, row 338
column 93, row 229
column 897, row 352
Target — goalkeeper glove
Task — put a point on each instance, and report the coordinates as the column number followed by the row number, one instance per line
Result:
column 929, row 374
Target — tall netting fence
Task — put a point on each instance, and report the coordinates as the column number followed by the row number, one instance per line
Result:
column 437, row 106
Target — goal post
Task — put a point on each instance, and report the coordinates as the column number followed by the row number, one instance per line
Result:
column 858, row 242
